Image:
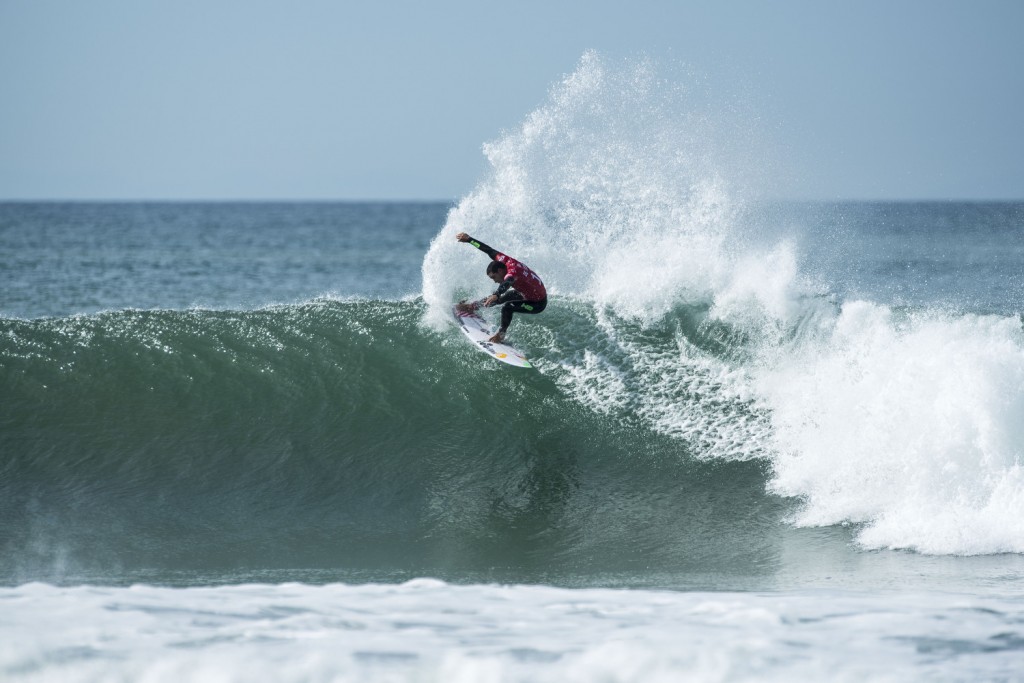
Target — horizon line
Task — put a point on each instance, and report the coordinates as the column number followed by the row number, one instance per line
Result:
column 455, row 201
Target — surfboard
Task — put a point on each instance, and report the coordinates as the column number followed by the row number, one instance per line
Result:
column 479, row 331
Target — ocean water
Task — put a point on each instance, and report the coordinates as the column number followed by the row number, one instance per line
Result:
column 763, row 440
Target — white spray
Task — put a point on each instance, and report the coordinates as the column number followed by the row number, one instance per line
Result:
column 616, row 192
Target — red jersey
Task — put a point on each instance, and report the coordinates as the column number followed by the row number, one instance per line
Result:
column 526, row 281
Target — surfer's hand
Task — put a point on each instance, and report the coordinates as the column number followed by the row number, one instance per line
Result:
column 491, row 300
column 462, row 237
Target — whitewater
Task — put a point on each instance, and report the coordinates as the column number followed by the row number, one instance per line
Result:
column 763, row 440
column 908, row 421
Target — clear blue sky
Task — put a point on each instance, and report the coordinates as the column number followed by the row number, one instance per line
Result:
column 317, row 99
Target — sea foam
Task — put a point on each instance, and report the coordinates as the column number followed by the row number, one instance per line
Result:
column 427, row 630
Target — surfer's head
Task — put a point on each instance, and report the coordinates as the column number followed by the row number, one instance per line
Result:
column 496, row 271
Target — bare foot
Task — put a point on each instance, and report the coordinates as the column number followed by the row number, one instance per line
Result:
column 498, row 338
column 463, row 307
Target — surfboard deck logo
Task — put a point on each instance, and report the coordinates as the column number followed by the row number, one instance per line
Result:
column 479, row 331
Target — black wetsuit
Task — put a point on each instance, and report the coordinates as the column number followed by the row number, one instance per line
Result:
column 521, row 291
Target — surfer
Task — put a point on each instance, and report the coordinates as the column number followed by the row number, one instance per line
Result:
column 519, row 288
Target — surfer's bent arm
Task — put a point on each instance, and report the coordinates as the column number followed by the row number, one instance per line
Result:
column 463, row 237
column 502, row 293
column 506, row 284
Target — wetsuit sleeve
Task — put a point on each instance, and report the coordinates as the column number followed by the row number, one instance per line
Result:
column 506, row 284
column 484, row 248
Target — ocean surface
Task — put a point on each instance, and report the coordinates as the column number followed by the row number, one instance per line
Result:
column 762, row 441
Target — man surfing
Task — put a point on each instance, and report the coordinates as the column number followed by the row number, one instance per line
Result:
column 519, row 288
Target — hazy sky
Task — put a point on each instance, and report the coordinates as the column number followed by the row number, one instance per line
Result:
column 317, row 99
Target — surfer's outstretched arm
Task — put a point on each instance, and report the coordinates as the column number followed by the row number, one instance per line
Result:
column 463, row 237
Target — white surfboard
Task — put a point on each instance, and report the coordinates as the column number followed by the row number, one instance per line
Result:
column 479, row 331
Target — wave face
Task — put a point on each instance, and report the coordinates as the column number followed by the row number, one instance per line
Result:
column 908, row 422
column 345, row 434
